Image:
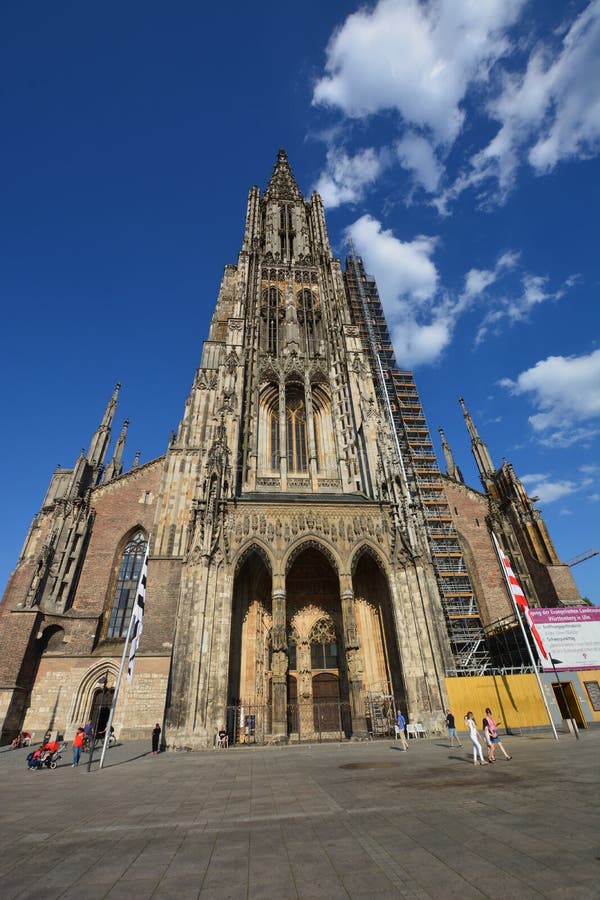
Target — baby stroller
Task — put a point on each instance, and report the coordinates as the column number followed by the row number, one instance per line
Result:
column 45, row 758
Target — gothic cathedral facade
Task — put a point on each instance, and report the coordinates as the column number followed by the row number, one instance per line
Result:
column 292, row 577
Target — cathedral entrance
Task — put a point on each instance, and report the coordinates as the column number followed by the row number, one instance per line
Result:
column 326, row 703
column 382, row 668
column 318, row 703
column 100, row 710
column 301, row 682
column 249, row 690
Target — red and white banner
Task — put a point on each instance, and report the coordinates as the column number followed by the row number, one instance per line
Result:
column 519, row 597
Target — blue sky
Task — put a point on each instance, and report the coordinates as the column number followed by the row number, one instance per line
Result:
column 456, row 143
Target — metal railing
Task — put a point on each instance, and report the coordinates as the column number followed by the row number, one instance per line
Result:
column 305, row 722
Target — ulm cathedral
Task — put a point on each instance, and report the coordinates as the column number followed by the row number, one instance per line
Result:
column 310, row 568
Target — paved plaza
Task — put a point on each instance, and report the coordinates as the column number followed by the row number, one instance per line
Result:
column 358, row 820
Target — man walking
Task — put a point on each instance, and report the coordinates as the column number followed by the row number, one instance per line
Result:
column 399, row 729
column 451, row 726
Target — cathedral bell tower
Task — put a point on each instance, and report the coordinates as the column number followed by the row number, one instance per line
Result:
column 281, row 488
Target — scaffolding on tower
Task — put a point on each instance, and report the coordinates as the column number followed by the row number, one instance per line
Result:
column 398, row 395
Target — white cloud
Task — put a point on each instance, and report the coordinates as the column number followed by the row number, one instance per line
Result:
column 418, row 58
column 416, row 343
column 547, row 491
column 346, row 177
column 417, row 155
column 404, row 268
column 433, row 62
column 549, row 113
column 478, row 280
column 408, row 284
column 534, row 292
column 514, row 308
column 589, row 469
column 566, row 391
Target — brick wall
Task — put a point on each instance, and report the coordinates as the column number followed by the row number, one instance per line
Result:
column 119, row 507
column 469, row 510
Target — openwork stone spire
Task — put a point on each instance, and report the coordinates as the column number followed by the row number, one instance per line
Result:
column 282, row 185
column 452, row 470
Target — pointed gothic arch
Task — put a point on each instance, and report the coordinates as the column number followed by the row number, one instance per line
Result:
column 376, row 625
column 253, row 545
column 88, row 686
column 366, row 548
column 120, row 596
column 271, row 312
column 304, row 543
column 268, row 427
column 323, row 428
column 251, row 625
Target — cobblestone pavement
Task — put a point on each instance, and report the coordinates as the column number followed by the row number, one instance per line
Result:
column 359, row 820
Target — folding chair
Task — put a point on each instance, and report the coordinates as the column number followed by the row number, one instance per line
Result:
column 411, row 732
column 421, row 732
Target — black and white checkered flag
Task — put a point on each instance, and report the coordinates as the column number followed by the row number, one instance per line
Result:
column 137, row 616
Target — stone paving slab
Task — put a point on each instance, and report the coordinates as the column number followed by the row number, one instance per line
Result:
column 354, row 820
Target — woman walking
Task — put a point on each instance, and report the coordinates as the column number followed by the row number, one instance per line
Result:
column 488, row 741
column 78, row 742
column 494, row 739
column 472, row 729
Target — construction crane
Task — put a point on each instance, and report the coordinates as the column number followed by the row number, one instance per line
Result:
column 582, row 557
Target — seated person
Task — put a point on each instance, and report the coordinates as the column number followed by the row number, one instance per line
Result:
column 48, row 749
column 17, row 741
column 33, row 758
column 223, row 740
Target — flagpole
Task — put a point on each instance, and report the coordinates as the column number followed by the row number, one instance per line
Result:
column 121, row 668
column 115, row 695
column 533, row 662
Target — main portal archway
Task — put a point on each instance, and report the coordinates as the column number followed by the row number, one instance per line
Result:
column 249, row 683
column 382, row 667
column 318, row 702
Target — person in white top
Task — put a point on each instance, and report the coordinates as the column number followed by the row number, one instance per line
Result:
column 474, row 736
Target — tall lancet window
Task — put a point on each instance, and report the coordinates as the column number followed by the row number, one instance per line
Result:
column 274, row 438
column 296, row 433
column 286, row 232
column 127, row 583
column 307, row 317
column 271, row 298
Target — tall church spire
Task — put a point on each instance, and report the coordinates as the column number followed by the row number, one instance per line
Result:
column 452, row 469
column 282, row 185
column 480, row 451
column 101, row 438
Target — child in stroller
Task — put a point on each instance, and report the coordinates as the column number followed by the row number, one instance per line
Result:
column 45, row 756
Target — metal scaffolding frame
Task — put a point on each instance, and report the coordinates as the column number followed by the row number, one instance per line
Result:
column 399, row 396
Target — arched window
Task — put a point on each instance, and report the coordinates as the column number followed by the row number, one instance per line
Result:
column 296, row 434
column 307, row 317
column 127, row 583
column 271, row 300
column 323, row 645
column 286, row 232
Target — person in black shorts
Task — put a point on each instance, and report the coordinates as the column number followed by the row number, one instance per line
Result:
column 451, row 726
